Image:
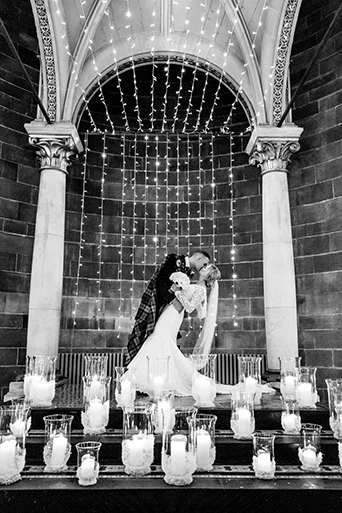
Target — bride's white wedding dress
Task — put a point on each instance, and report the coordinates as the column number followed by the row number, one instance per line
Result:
column 162, row 343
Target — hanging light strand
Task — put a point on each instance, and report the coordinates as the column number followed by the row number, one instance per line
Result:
column 135, row 222
column 232, row 227
column 122, row 233
column 200, row 188
column 81, row 239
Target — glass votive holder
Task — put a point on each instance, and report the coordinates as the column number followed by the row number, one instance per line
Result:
column 20, row 419
column 12, row 449
column 242, row 421
column 96, row 402
column 289, row 372
column 290, row 417
column 138, row 439
column 179, row 449
column 263, row 455
column 309, row 454
column 125, row 390
column 88, row 465
column 306, row 393
column 203, row 379
column 95, row 365
column 204, row 427
column 57, row 447
column 40, row 380
column 157, row 375
column 163, row 413
column 249, row 368
column 334, row 389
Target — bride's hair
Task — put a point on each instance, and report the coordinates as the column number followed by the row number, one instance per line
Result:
column 213, row 275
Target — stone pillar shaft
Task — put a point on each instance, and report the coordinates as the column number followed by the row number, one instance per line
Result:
column 271, row 150
column 55, row 144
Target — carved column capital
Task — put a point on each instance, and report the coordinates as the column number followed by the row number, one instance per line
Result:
column 271, row 147
column 55, row 143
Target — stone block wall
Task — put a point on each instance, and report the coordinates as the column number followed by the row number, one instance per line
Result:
column 18, row 186
column 315, row 182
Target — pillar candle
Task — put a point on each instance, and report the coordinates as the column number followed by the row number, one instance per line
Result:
column 95, row 388
column 96, row 412
column 290, row 421
column 289, row 385
column 305, row 394
column 126, row 391
column 243, row 420
column 18, row 428
column 203, row 388
column 309, row 456
column 203, row 446
column 136, row 447
column 41, row 391
column 59, row 447
column 7, row 453
column 264, row 462
column 250, row 385
column 178, row 453
column 87, row 467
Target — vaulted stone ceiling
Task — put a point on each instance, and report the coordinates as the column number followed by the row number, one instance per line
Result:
column 166, row 65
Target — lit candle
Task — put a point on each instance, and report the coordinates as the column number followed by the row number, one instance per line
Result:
column 203, row 447
column 59, row 447
column 250, row 385
column 264, row 462
column 87, row 468
column 178, row 453
column 244, row 420
column 304, row 391
column 136, row 448
column 309, row 456
column 18, row 428
column 96, row 413
column 290, row 421
column 95, row 388
column 7, row 453
column 290, row 385
column 41, row 391
column 203, row 390
column 126, row 391
column 158, row 383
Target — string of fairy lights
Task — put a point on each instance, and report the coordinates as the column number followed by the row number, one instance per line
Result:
column 157, row 238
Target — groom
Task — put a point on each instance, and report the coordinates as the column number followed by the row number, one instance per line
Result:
column 158, row 294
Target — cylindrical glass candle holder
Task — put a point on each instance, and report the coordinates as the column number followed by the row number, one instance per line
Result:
column 138, row 439
column 158, row 375
column 12, row 449
column 40, row 380
column 250, row 375
column 20, row 419
column 263, row 455
column 289, row 372
column 163, row 413
column 179, row 448
column 125, row 390
column 95, row 365
column 306, row 392
column 242, row 421
column 310, row 454
column 290, row 417
column 203, row 379
column 334, row 389
column 204, row 431
column 88, row 465
column 96, row 401
column 57, row 447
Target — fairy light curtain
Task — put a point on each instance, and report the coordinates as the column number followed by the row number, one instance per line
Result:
column 145, row 196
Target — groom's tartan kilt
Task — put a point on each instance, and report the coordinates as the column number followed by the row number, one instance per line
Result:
column 146, row 317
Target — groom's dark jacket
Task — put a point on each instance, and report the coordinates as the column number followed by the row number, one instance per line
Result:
column 156, row 296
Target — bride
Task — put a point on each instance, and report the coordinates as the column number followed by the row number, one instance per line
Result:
column 162, row 342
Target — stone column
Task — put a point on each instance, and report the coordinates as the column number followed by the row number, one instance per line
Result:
column 55, row 144
column 271, row 148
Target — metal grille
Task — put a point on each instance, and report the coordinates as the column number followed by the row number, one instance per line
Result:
column 71, row 365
